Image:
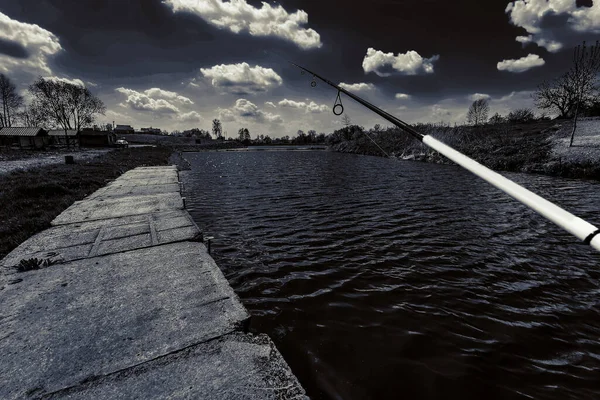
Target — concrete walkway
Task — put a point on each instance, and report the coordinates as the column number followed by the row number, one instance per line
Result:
column 132, row 306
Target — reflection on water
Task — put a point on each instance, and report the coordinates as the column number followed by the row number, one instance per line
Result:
column 391, row 279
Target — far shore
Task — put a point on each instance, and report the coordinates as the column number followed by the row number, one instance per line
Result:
column 540, row 147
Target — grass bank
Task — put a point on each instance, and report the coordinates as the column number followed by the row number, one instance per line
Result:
column 529, row 147
column 31, row 199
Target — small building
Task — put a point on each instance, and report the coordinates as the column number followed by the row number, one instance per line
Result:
column 151, row 130
column 93, row 138
column 59, row 137
column 25, row 138
column 123, row 129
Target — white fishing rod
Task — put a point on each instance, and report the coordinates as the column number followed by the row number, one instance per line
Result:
column 581, row 229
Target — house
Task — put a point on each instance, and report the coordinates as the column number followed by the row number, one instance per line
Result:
column 89, row 137
column 25, row 138
column 59, row 137
column 123, row 129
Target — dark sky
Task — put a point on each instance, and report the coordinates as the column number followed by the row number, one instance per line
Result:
column 177, row 64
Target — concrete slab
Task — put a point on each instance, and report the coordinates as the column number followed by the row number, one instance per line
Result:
column 88, row 239
column 94, row 209
column 68, row 323
column 145, row 181
column 122, row 191
column 236, row 366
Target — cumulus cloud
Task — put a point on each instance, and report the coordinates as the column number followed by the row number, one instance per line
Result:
column 402, row 96
column 158, row 93
column 386, row 64
column 241, row 79
column 522, row 64
column 270, row 104
column 310, row 107
column 551, row 23
column 143, row 102
column 357, row 87
column 191, row 116
column 247, row 110
column 479, row 96
column 155, row 100
column 25, row 49
column 76, row 81
column 239, row 16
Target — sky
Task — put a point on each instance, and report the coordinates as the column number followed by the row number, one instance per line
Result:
column 178, row 64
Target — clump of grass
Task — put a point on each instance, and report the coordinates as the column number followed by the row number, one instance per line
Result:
column 31, row 264
column 31, row 199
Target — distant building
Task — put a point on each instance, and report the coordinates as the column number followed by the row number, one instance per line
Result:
column 151, row 130
column 58, row 137
column 25, row 138
column 89, row 137
column 119, row 129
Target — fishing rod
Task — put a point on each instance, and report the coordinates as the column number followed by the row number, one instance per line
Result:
column 581, row 229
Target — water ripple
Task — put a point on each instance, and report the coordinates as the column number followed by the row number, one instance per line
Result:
column 382, row 279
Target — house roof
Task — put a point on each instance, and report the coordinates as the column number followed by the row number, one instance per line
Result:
column 20, row 131
column 61, row 132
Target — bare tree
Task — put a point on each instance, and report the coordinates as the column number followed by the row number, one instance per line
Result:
column 65, row 105
column 586, row 65
column 31, row 116
column 11, row 101
column 217, row 128
column 575, row 89
column 478, row 112
column 346, row 120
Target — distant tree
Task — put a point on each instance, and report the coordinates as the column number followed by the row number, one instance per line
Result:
column 520, row 115
column 244, row 135
column 496, row 119
column 346, row 120
column 478, row 112
column 11, row 101
column 217, row 128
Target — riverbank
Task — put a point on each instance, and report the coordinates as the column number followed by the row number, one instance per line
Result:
column 119, row 298
column 32, row 198
column 538, row 147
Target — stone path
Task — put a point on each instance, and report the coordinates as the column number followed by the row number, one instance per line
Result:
column 132, row 306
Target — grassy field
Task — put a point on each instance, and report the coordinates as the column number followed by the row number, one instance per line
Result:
column 31, row 199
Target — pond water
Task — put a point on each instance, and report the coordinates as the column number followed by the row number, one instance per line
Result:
column 392, row 279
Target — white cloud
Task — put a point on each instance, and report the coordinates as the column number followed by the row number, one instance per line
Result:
column 142, row 102
column 76, row 81
column 158, row 93
column 567, row 21
column 156, row 100
column 409, row 63
column 402, row 96
column 191, row 116
column 270, row 104
column 239, row 16
column 31, row 46
column 310, row 107
column 357, row 87
column 242, row 79
column 479, row 96
column 522, row 64
column 439, row 112
column 248, row 111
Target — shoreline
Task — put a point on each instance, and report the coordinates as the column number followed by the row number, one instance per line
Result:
column 538, row 148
